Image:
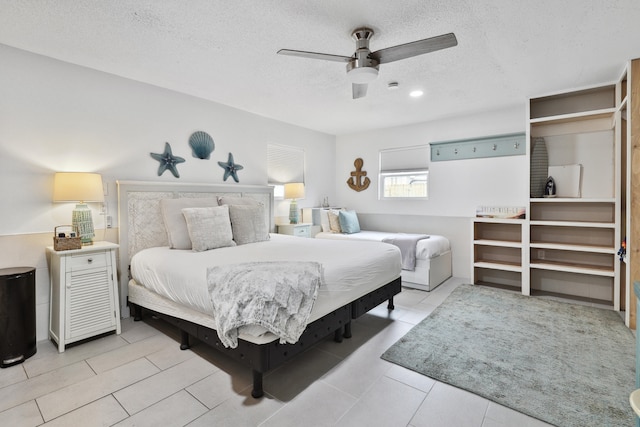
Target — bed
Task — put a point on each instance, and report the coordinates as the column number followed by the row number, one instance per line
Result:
column 432, row 263
column 355, row 277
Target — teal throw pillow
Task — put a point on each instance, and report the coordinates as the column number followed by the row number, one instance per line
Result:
column 349, row 222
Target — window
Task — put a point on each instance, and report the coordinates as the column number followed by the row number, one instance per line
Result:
column 404, row 173
column 284, row 164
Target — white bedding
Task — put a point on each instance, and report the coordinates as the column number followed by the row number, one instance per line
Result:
column 426, row 248
column 351, row 269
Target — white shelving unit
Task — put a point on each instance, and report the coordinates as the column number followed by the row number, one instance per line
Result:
column 573, row 241
column 499, row 254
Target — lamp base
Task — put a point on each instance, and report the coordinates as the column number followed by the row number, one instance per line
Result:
column 83, row 222
column 293, row 212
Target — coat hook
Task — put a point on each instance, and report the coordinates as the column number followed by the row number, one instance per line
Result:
column 494, row 147
column 455, row 151
column 438, row 152
column 474, row 149
column 516, row 145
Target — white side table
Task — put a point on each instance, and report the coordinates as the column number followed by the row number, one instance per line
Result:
column 84, row 293
column 299, row 230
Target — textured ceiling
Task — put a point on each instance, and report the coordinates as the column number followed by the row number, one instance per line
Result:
column 225, row 51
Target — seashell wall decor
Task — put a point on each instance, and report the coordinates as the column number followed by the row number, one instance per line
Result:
column 201, row 145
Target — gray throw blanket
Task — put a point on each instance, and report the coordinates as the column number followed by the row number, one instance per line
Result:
column 278, row 296
column 407, row 244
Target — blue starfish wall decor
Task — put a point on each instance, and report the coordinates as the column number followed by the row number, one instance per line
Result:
column 230, row 168
column 167, row 161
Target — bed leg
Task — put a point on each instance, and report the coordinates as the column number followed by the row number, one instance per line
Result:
column 347, row 330
column 337, row 335
column 257, row 391
column 137, row 313
column 184, row 340
column 390, row 306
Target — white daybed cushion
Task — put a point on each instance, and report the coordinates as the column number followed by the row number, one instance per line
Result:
column 425, row 249
column 351, row 269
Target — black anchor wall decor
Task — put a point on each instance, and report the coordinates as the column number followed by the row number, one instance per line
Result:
column 355, row 182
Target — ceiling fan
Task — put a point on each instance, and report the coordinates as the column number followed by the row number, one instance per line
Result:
column 362, row 66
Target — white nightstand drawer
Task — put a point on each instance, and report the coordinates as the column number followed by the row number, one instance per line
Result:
column 302, row 231
column 298, row 230
column 91, row 260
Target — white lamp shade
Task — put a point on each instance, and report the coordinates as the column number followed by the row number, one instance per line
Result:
column 77, row 187
column 294, row 190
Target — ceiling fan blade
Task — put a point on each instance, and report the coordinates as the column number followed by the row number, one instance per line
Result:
column 314, row 55
column 416, row 48
column 359, row 90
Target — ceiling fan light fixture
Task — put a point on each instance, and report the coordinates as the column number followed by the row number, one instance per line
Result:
column 362, row 75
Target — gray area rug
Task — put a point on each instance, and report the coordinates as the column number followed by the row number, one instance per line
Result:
column 565, row 364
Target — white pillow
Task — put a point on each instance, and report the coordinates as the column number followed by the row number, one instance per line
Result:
column 334, row 221
column 209, row 228
column 324, row 220
column 248, row 224
column 174, row 222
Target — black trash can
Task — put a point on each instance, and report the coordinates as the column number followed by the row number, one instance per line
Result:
column 17, row 315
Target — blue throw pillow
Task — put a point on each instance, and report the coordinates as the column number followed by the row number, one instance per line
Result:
column 349, row 222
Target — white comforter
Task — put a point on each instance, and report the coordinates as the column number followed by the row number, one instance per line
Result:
column 351, row 269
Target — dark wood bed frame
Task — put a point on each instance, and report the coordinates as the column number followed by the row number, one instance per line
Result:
column 264, row 357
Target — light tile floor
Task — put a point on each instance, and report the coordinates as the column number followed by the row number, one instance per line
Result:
column 142, row 378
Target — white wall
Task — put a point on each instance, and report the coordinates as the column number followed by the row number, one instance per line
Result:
column 455, row 187
column 55, row 116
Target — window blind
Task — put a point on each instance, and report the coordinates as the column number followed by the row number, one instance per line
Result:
column 404, row 159
column 284, row 164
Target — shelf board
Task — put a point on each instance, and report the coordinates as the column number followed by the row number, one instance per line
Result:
column 575, row 123
column 569, row 268
column 574, row 224
column 572, row 298
column 572, row 200
column 498, row 266
column 574, row 117
column 499, row 220
column 499, row 286
column 500, row 243
column 574, row 248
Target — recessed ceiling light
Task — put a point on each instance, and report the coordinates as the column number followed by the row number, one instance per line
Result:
column 416, row 93
column 392, row 85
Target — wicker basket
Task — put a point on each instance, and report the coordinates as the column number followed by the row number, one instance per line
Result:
column 66, row 243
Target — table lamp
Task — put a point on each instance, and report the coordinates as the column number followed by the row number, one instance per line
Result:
column 80, row 187
column 293, row 191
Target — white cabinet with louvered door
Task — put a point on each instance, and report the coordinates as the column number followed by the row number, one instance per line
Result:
column 84, row 293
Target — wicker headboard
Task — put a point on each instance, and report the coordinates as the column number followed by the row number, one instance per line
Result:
column 140, row 217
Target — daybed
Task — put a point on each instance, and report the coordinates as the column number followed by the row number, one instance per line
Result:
column 353, row 279
column 432, row 263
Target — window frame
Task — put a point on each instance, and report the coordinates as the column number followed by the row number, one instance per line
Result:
column 397, row 169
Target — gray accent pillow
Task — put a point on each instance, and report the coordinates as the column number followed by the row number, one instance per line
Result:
column 174, row 222
column 248, row 224
column 209, row 228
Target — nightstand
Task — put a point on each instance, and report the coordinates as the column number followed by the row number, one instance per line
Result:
column 84, row 293
column 299, row 230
